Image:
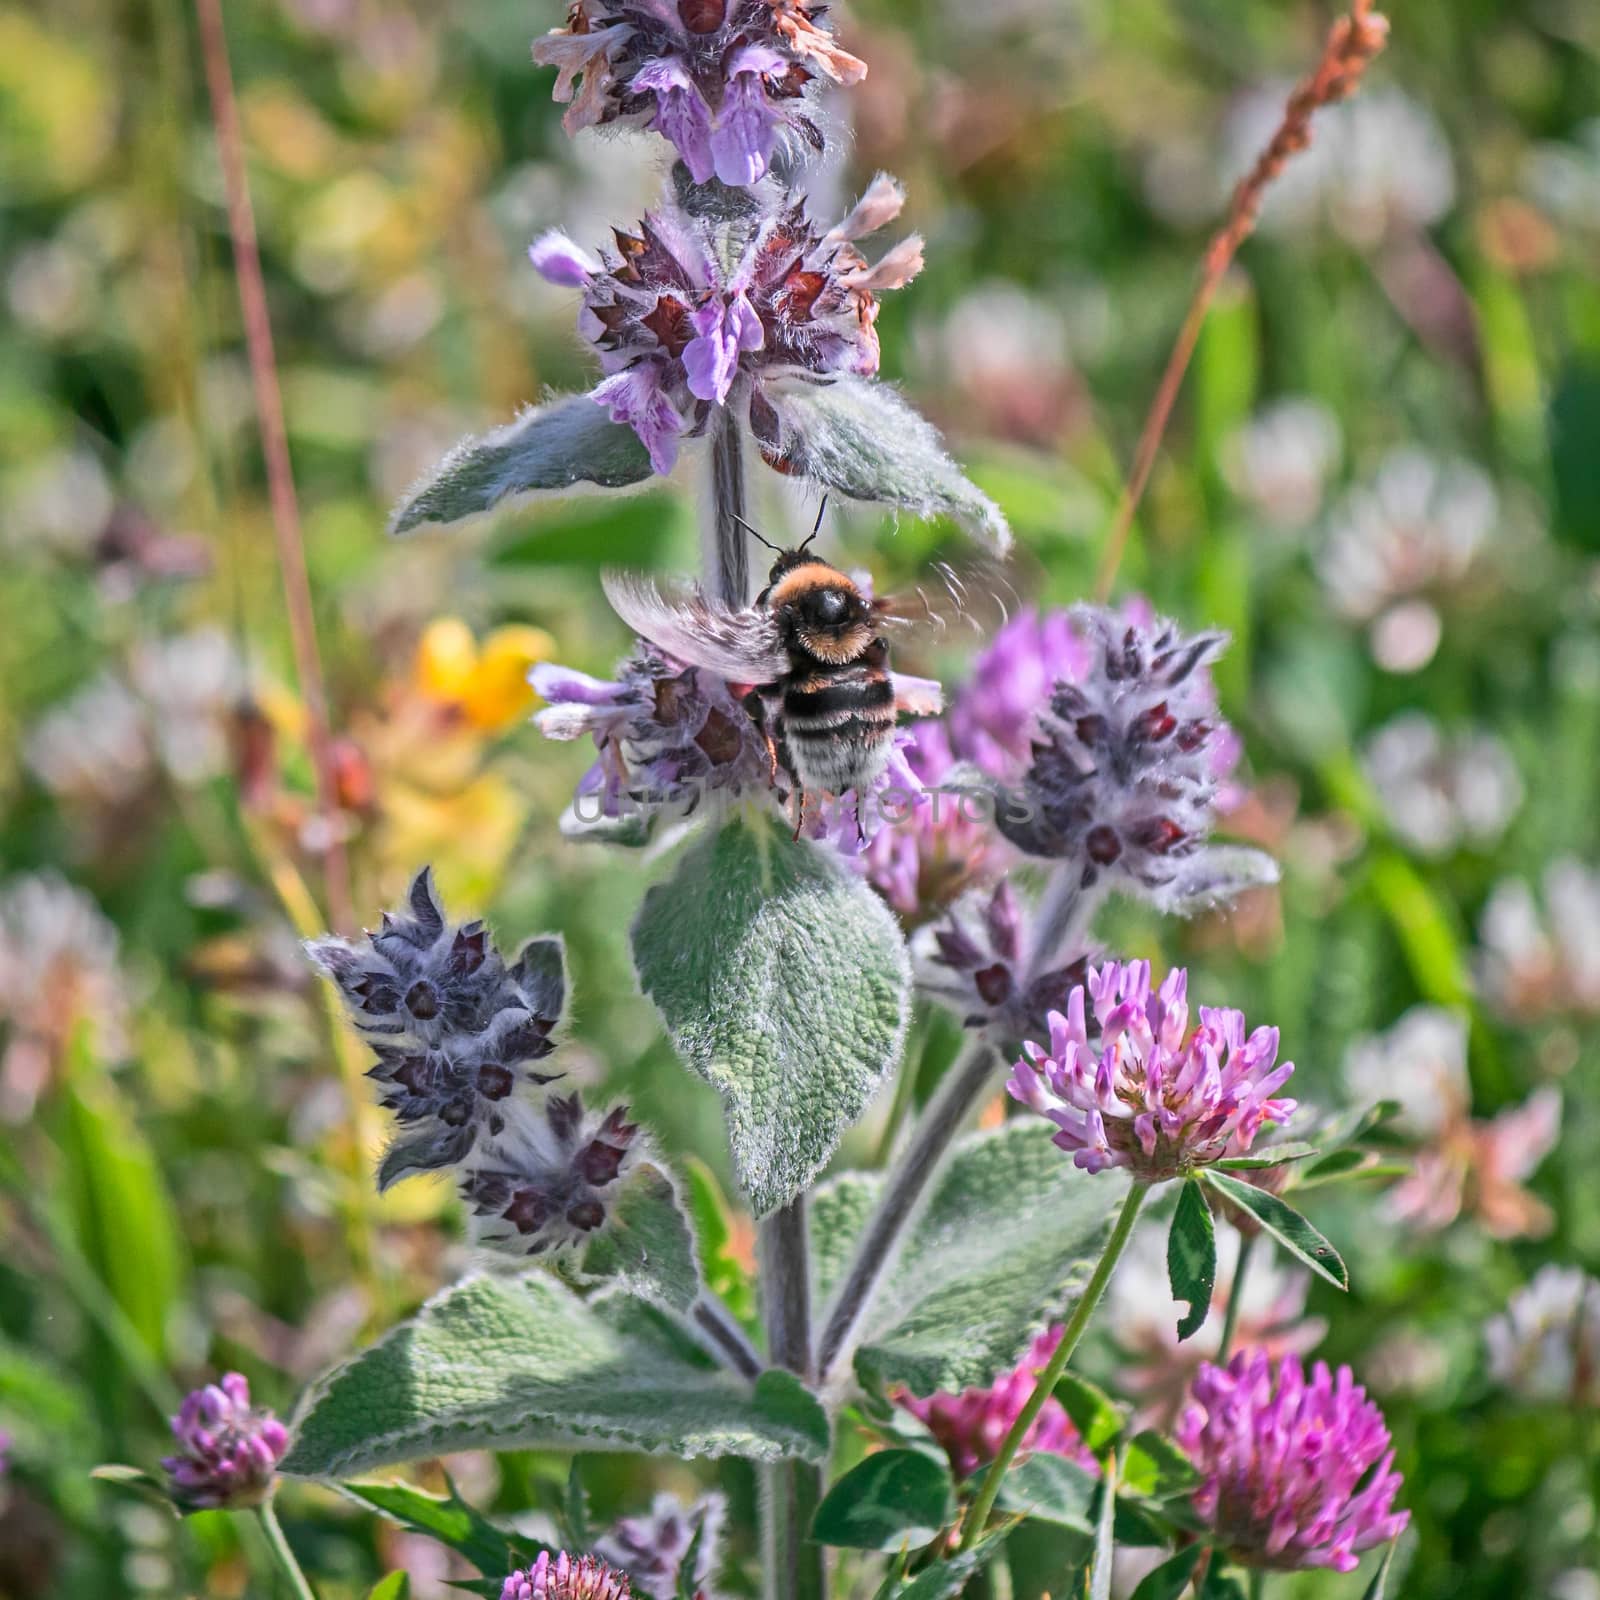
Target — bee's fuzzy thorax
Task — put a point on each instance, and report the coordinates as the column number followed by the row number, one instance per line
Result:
column 834, row 649
column 802, row 574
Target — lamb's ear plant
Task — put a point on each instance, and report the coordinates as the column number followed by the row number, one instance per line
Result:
column 948, row 1292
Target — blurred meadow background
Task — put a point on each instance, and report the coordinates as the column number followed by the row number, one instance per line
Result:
column 1383, row 477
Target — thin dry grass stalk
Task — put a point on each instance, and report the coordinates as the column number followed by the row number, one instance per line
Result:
column 275, row 454
column 1352, row 43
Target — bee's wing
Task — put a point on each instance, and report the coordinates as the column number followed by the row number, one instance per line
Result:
column 743, row 646
column 977, row 595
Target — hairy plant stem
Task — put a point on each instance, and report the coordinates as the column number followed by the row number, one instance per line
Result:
column 283, row 1555
column 793, row 1567
column 1230, row 1318
column 1062, row 916
column 729, row 552
column 1060, row 919
column 983, row 1504
column 1258, row 1584
column 716, row 1322
column 908, row 1184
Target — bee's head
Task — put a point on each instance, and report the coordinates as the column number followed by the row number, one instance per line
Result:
column 825, row 614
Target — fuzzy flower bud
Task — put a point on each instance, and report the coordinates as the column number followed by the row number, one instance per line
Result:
column 1124, row 769
column 724, row 81
column 1151, row 1096
column 455, row 1029
column 972, row 1425
column 678, row 331
column 564, row 1577
column 551, row 1178
column 1296, row 1474
column 980, row 963
column 1545, row 1346
column 652, row 1549
column 228, row 1452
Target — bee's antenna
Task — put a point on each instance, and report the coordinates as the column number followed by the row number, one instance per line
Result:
column 754, row 535
column 816, row 527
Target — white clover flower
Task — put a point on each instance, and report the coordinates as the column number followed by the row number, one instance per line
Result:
column 1280, row 461
column 1377, row 162
column 1546, row 1344
column 1537, row 961
column 1442, row 792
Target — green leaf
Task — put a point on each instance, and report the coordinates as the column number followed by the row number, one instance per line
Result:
column 450, row 1520
column 397, row 1586
column 1341, row 1164
column 1268, row 1155
column 121, row 1214
column 1380, row 1579
column 944, row 1580
column 522, row 1363
column 575, row 1509
column 1096, row 1416
column 1171, row 1578
column 860, row 439
column 548, row 449
column 1192, row 1258
column 893, row 1500
column 784, row 982
column 1285, row 1224
column 1005, row 1244
column 649, row 1247
column 1220, row 1583
column 688, row 1585
column 1156, row 1469
column 724, row 1273
column 1051, row 1489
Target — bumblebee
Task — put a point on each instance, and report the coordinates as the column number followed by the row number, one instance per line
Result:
column 811, row 652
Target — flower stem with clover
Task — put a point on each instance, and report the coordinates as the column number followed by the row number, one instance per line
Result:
column 978, row 1512
column 282, row 1554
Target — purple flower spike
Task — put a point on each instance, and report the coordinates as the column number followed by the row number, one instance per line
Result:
column 456, row 1029
column 996, row 718
column 972, row 1425
column 1126, row 765
column 724, row 330
column 1149, row 1095
column 652, row 1549
column 550, row 1180
column 228, row 1453
column 667, row 737
column 564, row 1577
column 678, row 331
column 725, row 81
column 980, row 962
column 1296, row 1474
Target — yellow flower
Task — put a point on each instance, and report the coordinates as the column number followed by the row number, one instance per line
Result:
column 488, row 684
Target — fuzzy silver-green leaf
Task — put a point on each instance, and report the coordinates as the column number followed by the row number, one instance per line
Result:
column 549, row 449
column 1004, row 1247
column 502, row 1363
column 863, row 441
column 783, row 982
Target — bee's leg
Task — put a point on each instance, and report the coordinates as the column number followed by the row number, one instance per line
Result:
column 861, row 832
column 754, row 704
column 799, row 812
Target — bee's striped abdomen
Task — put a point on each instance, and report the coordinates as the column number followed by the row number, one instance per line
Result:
column 838, row 722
